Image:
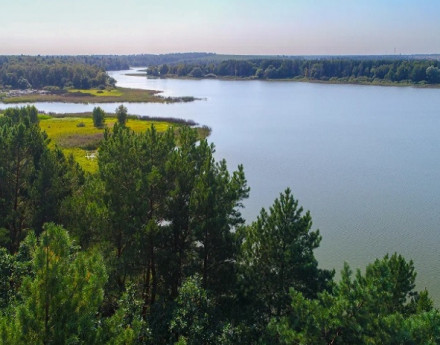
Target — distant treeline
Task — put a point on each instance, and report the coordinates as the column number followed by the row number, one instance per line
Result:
column 25, row 72
column 82, row 71
column 117, row 62
column 121, row 62
column 88, row 71
column 325, row 69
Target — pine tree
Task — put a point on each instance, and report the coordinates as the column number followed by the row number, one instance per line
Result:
column 378, row 307
column 60, row 300
column 22, row 145
column 277, row 254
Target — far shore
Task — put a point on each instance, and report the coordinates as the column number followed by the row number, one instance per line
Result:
column 342, row 81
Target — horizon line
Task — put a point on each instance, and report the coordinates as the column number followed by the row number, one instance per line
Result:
column 228, row 54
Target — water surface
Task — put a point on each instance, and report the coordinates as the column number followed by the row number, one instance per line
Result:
column 363, row 159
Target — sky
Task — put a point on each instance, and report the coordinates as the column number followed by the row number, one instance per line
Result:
column 271, row 27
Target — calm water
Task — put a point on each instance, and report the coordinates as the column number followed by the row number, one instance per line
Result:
column 364, row 159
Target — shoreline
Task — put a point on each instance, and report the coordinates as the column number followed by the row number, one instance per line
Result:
column 298, row 80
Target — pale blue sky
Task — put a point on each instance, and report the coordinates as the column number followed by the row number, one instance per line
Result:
column 294, row 27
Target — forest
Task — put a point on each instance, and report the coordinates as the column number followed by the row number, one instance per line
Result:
column 85, row 72
column 152, row 249
column 333, row 69
column 80, row 71
column 26, row 72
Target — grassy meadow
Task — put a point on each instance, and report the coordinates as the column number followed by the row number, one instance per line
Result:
column 99, row 93
column 76, row 135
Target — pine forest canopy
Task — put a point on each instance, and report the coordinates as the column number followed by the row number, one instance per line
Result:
column 152, row 249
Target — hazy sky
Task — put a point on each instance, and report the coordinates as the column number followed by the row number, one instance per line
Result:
column 294, row 27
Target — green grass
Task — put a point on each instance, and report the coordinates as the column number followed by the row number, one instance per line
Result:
column 44, row 116
column 116, row 95
column 99, row 93
column 63, row 131
column 79, row 141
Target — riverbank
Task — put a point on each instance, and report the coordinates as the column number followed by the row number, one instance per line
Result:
column 341, row 81
column 116, row 95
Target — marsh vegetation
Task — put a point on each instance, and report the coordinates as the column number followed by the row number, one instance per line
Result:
column 112, row 95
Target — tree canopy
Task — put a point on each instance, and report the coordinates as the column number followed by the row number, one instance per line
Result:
column 152, row 249
column 351, row 69
column 25, row 72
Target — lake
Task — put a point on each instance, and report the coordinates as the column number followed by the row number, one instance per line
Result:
column 363, row 159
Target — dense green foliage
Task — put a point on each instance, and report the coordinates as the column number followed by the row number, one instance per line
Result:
column 277, row 254
column 59, row 300
column 33, row 179
column 85, row 72
column 100, row 62
column 120, row 62
column 121, row 114
column 25, row 72
column 156, row 252
column 325, row 69
column 378, row 307
column 98, row 116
